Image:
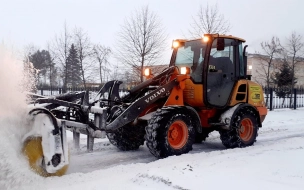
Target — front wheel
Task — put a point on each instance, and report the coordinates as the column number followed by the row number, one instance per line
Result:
column 128, row 137
column 243, row 129
column 170, row 132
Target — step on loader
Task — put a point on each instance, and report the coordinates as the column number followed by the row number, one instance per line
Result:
column 205, row 88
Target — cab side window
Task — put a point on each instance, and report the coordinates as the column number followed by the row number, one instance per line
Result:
column 222, row 61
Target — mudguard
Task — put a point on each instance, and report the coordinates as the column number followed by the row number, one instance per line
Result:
column 225, row 117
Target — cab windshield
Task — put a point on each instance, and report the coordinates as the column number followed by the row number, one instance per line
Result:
column 192, row 55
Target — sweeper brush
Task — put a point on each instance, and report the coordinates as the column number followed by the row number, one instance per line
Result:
column 33, row 151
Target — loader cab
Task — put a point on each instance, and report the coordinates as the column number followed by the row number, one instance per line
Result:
column 215, row 61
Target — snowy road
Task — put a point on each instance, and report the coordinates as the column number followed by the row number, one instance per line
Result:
column 105, row 155
column 274, row 162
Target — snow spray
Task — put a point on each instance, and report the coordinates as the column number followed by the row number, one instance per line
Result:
column 14, row 169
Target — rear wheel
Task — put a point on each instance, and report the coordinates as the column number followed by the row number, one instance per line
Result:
column 32, row 149
column 128, row 137
column 170, row 132
column 243, row 129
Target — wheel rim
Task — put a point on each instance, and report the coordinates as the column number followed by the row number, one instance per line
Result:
column 178, row 134
column 246, row 129
column 32, row 149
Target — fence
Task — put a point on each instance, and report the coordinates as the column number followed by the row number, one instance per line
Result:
column 48, row 91
column 277, row 98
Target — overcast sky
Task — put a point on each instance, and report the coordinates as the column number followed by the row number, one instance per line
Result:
column 23, row 22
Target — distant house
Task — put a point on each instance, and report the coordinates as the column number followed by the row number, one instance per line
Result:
column 256, row 66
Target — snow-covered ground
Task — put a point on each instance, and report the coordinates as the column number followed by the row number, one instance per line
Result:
column 274, row 162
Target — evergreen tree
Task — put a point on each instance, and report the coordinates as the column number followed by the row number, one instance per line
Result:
column 283, row 79
column 41, row 61
column 73, row 68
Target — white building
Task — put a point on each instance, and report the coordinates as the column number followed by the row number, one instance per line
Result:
column 257, row 67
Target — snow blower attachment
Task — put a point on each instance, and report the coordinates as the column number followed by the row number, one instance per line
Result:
column 204, row 89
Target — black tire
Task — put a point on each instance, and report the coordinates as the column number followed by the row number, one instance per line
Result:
column 163, row 142
column 128, row 137
column 243, row 129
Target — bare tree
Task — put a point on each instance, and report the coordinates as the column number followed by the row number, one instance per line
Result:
column 208, row 20
column 52, row 69
column 271, row 51
column 29, row 50
column 141, row 40
column 293, row 54
column 295, row 51
column 85, row 51
column 60, row 51
column 101, row 54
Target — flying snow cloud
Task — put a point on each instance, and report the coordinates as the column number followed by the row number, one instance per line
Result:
column 14, row 171
column 12, row 96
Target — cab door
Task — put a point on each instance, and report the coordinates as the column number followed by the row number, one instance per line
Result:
column 220, row 72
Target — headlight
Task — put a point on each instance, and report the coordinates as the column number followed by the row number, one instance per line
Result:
column 147, row 72
column 185, row 70
column 175, row 44
column 205, row 38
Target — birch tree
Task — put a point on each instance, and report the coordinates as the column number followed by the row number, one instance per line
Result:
column 101, row 55
column 294, row 53
column 271, row 50
column 85, row 51
column 60, row 51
